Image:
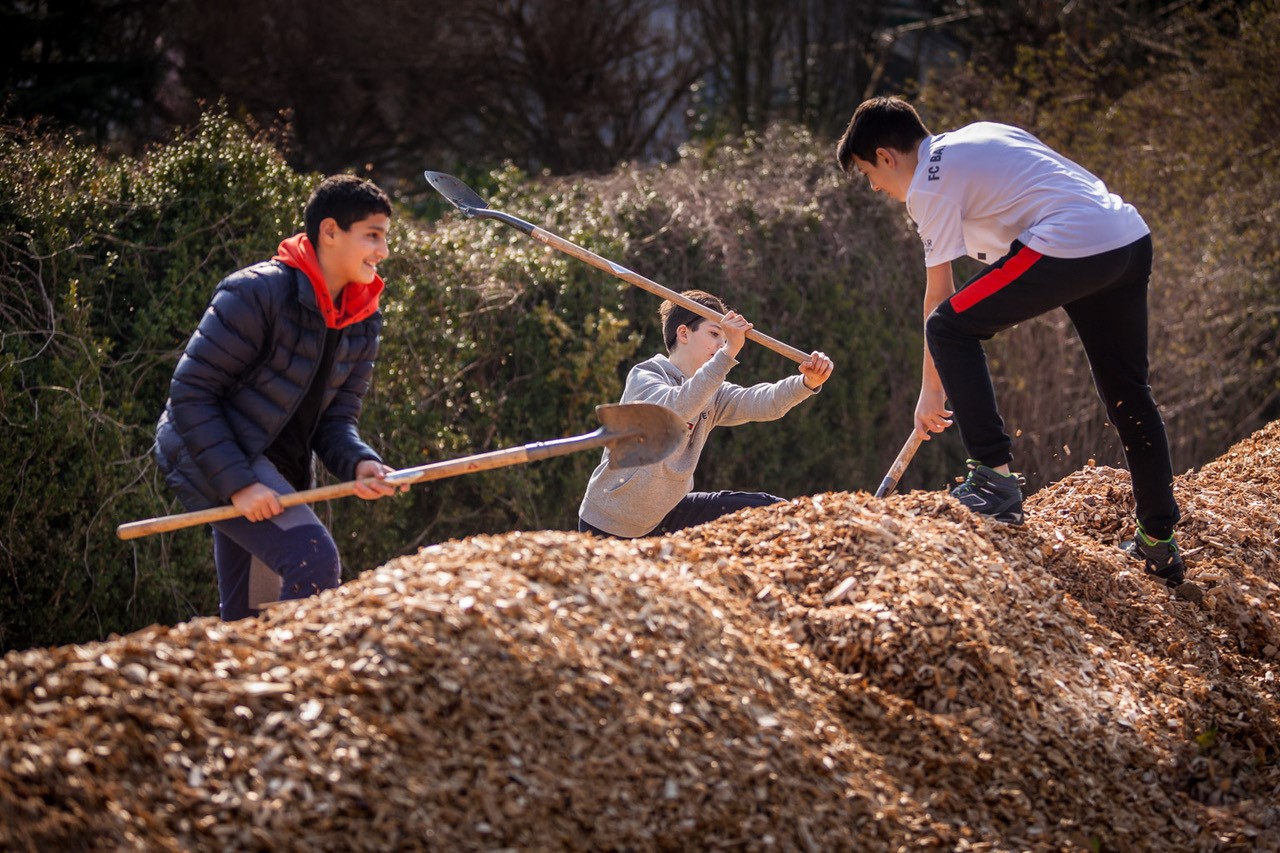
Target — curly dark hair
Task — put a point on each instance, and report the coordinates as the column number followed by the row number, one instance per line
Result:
column 346, row 199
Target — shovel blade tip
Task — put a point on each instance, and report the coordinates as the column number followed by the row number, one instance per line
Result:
column 456, row 192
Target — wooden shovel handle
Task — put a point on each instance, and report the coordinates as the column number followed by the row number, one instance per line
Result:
column 165, row 523
column 899, row 466
column 559, row 243
column 532, row 452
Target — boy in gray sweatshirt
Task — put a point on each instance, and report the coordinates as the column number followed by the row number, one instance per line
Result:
column 659, row 498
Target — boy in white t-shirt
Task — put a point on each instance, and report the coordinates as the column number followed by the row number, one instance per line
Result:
column 1051, row 235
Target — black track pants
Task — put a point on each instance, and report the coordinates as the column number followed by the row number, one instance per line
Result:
column 698, row 508
column 1105, row 296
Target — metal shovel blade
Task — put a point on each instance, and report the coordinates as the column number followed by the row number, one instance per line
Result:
column 646, row 433
column 459, row 194
column 470, row 203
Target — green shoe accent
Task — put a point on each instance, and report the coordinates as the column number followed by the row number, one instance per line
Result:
column 1151, row 540
column 975, row 464
column 1160, row 557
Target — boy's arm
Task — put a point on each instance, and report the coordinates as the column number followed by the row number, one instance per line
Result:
column 337, row 439
column 691, row 398
column 228, row 341
column 931, row 413
column 769, row 401
column 648, row 384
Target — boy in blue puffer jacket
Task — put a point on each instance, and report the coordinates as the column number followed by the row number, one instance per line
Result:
column 276, row 371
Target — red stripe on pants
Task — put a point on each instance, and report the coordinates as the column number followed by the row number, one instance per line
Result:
column 995, row 280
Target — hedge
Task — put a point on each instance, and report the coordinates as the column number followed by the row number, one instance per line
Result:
column 493, row 340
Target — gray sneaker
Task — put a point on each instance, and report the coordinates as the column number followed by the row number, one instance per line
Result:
column 1160, row 557
column 989, row 493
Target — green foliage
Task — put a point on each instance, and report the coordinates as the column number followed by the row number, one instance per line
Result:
column 106, row 267
column 493, row 340
column 770, row 225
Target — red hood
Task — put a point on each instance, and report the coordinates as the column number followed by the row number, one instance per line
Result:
column 355, row 303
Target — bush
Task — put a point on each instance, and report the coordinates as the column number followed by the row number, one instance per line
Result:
column 493, row 340
column 106, row 266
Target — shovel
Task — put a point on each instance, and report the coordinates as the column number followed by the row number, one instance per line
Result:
column 635, row 433
column 472, row 205
column 899, row 466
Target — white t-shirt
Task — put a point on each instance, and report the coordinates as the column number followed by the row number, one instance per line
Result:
column 979, row 188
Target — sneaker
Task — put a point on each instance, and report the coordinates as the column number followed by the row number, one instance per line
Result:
column 1160, row 557
column 987, row 492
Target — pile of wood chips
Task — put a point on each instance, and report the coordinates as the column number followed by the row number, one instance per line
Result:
column 837, row 672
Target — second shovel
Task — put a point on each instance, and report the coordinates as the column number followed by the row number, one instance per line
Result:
column 470, row 204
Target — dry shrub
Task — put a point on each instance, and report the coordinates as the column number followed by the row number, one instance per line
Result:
column 1193, row 147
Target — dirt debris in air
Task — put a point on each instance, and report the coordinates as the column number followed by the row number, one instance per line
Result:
column 838, row 672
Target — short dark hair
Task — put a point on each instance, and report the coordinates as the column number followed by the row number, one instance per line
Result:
column 674, row 316
column 884, row 122
column 346, row 199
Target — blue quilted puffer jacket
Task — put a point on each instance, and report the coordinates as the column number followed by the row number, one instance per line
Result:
column 242, row 375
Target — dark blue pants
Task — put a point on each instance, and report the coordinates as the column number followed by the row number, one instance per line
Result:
column 295, row 545
column 1105, row 296
column 698, row 508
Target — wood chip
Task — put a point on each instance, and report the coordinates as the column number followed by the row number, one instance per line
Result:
column 836, row 672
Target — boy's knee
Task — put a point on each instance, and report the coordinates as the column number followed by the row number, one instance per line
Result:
column 1138, row 417
column 315, row 567
column 940, row 324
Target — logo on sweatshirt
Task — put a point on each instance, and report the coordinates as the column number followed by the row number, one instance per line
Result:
column 935, row 157
column 701, row 417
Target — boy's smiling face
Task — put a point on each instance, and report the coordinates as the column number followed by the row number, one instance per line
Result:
column 353, row 255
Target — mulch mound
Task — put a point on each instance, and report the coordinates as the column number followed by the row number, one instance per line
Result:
column 837, row 672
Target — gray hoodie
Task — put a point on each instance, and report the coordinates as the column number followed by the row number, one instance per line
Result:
column 632, row 501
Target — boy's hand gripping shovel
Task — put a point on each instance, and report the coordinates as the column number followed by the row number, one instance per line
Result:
column 635, row 433
column 466, row 200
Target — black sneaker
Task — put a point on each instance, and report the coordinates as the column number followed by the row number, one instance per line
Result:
column 987, row 492
column 1160, row 557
